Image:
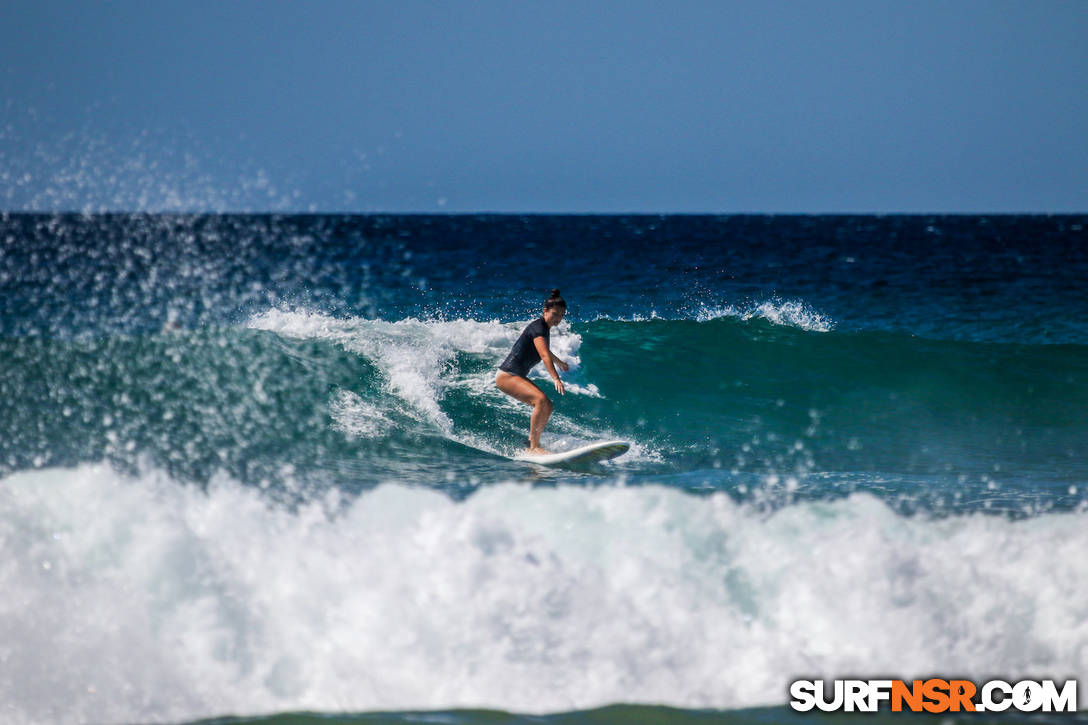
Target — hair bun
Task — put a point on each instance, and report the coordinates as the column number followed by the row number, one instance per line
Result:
column 555, row 301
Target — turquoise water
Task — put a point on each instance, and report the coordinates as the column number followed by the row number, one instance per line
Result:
column 724, row 404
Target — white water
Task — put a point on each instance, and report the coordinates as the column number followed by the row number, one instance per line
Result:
column 789, row 313
column 145, row 600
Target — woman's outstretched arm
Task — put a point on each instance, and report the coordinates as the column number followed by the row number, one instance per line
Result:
column 547, row 357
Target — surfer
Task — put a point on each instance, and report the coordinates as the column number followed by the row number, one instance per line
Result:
column 530, row 348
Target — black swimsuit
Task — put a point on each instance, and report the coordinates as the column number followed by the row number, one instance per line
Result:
column 524, row 356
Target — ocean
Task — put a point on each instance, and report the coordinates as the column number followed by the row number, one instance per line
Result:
column 254, row 468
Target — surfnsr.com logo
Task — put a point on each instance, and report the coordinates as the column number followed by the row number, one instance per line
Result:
column 933, row 695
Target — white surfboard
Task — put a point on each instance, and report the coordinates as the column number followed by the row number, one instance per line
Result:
column 591, row 453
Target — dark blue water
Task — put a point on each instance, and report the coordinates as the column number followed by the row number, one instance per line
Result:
column 271, row 447
column 979, row 278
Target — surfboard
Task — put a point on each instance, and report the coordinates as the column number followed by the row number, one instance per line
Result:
column 591, row 453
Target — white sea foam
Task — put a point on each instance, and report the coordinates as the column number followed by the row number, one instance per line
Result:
column 145, row 600
column 357, row 417
column 792, row 313
column 411, row 353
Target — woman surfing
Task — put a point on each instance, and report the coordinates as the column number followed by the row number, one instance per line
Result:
column 530, row 348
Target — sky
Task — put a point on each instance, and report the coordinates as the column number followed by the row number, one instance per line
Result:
column 507, row 106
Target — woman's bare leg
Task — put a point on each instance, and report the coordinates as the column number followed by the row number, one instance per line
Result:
column 524, row 390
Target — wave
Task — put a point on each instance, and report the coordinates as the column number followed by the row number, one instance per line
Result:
column 354, row 402
column 140, row 599
column 418, row 362
column 790, row 313
column 846, row 401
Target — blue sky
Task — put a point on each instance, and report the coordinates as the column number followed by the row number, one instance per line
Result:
column 850, row 106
